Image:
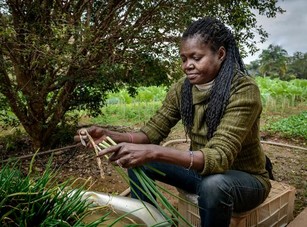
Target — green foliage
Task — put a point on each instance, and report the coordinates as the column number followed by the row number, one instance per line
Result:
column 14, row 141
column 276, row 93
column 7, row 118
column 141, row 94
column 274, row 62
column 131, row 110
column 29, row 200
column 293, row 126
column 297, row 65
column 59, row 56
column 122, row 109
column 127, row 114
column 153, row 93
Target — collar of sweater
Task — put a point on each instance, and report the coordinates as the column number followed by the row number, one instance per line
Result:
column 204, row 87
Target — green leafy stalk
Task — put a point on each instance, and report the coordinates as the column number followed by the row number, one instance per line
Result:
column 148, row 188
column 37, row 200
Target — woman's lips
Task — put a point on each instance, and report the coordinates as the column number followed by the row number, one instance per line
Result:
column 192, row 76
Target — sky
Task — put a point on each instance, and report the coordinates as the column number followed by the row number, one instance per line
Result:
column 288, row 30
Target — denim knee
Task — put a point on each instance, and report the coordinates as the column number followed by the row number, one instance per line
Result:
column 214, row 201
column 214, row 190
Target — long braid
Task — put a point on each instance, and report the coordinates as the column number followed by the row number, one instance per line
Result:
column 218, row 97
column 216, row 34
column 187, row 112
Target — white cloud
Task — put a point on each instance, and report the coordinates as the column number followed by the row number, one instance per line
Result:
column 289, row 30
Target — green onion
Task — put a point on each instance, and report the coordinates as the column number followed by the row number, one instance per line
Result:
column 150, row 189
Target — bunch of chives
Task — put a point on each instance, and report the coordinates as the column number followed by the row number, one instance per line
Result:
column 149, row 188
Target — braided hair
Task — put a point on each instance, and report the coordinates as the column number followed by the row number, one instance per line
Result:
column 215, row 34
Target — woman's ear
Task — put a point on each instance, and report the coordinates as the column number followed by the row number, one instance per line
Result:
column 222, row 53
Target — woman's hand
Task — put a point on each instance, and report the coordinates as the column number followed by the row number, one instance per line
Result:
column 97, row 133
column 129, row 155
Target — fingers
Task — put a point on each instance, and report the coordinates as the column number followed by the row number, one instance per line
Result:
column 91, row 130
column 109, row 150
column 77, row 138
column 81, row 135
column 120, row 155
column 116, row 155
column 82, row 131
column 95, row 132
column 123, row 163
column 118, row 162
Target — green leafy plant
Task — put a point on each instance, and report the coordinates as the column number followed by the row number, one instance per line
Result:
column 131, row 109
column 295, row 125
column 32, row 200
column 7, row 117
column 148, row 187
column 14, row 140
column 276, row 93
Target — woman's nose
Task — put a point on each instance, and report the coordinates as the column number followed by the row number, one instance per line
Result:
column 189, row 65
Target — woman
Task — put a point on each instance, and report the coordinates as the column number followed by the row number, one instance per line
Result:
column 220, row 108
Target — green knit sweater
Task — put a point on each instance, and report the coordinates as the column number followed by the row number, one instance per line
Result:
column 236, row 141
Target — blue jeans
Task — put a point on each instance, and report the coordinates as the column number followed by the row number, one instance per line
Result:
column 218, row 194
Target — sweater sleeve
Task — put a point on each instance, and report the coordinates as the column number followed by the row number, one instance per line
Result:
column 240, row 117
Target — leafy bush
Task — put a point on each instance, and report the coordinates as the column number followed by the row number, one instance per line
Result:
column 7, row 118
column 16, row 140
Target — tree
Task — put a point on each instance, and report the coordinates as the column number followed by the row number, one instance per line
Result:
column 253, row 67
column 297, row 65
column 57, row 56
column 273, row 62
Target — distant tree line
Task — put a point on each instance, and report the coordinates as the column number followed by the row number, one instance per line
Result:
column 275, row 62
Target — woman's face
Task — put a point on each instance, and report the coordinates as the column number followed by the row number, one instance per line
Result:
column 200, row 64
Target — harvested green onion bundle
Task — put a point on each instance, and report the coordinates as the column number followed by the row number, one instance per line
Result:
column 149, row 187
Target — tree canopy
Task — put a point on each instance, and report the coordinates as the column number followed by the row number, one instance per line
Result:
column 274, row 62
column 57, row 56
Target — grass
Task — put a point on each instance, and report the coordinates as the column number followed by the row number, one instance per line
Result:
column 127, row 114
